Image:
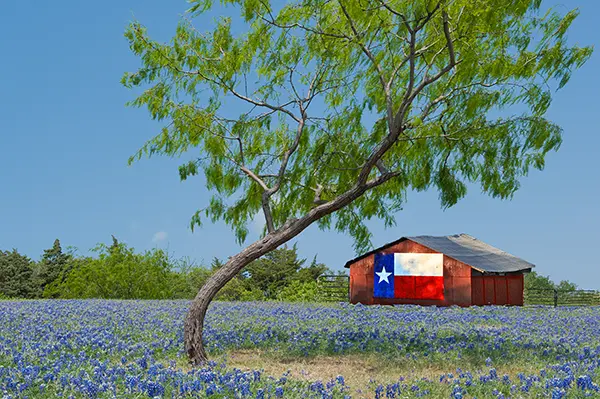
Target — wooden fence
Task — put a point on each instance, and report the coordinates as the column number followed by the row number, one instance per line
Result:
column 333, row 288
column 554, row 297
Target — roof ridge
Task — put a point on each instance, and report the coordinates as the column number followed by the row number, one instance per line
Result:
column 466, row 249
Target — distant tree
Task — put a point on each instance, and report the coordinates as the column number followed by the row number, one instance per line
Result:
column 183, row 277
column 240, row 288
column 533, row 280
column 216, row 264
column 75, row 287
column 120, row 273
column 330, row 112
column 536, row 281
column 196, row 278
column 16, row 275
column 274, row 270
column 312, row 272
column 53, row 262
column 565, row 285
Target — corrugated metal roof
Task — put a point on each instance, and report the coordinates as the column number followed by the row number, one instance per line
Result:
column 466, row 249
column 474, row 253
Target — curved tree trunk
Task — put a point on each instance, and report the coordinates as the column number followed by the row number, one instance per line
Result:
column 194, row 322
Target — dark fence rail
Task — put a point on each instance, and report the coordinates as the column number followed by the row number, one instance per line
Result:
column 333, row 288
column 554, row 297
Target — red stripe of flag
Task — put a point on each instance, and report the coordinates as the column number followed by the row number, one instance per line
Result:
column 419, row 287
column 404, row 287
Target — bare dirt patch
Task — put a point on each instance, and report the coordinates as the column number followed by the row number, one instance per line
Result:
column 361, row 372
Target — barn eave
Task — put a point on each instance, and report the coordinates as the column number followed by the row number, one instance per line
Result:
column 466, row 249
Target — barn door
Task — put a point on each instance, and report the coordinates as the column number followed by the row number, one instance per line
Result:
column 497, row 290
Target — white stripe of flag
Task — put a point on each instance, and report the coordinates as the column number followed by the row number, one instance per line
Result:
column 410, row 264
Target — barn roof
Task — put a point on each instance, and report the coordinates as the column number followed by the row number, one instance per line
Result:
column 466, row 249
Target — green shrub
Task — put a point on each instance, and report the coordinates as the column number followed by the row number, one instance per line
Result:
column 298, row 291
column 118, row 273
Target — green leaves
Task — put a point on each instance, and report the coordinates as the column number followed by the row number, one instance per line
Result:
column 16, row 275
column 302, row 96
column 118, row 273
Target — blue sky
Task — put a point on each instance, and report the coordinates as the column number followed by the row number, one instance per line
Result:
column 65, row 136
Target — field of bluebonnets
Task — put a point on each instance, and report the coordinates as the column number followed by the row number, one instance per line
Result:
column 134, row 349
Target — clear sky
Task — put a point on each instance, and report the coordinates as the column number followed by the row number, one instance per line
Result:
column 65, row 136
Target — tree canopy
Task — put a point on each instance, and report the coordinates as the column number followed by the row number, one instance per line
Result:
column 315, row 97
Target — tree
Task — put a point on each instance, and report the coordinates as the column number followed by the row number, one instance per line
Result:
column 70, row 282
column 274, row 270
column 312, row 272
column 329, row 112
column 239, row 288
column 16, row 273
column 565, row 285
column 187, row 277
column 280, row 268
column 115, row 244
column 119, row 273
column 53, row 262
column 535, row 281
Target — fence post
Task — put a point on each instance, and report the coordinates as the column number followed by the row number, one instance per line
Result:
column 555, row 297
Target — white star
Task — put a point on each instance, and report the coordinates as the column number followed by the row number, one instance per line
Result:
column 383, row 275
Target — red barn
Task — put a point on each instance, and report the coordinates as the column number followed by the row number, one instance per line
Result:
column 443, row 271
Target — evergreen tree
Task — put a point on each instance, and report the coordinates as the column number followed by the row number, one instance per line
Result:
column 16, row 272
column 53, row 262
column 275, row 270
column 312, row 272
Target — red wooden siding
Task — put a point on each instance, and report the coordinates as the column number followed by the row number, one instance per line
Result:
column 515, row 289
column 360, row 274
column 477, row 290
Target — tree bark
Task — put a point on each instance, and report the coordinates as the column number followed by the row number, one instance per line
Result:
column 194, row 322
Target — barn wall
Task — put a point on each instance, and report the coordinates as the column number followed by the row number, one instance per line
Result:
column 457, row 279
column 497, row 289
column 361, row 281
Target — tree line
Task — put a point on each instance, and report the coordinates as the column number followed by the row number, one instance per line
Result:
column 117, row 271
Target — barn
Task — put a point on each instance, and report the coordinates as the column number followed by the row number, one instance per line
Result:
column 437, row 270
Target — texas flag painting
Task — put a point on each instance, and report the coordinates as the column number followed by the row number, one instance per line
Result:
column 409, row 276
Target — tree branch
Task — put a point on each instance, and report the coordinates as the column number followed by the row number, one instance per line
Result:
column 288, row 154
column 371, row 57
column 397, row 127
column 448, row 39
